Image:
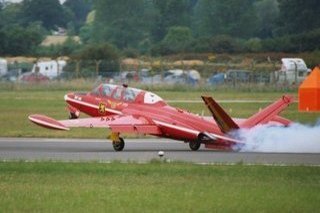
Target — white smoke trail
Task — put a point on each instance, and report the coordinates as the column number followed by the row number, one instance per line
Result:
column 296, row 138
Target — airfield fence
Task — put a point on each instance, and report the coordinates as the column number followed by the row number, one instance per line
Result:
column 157, row 73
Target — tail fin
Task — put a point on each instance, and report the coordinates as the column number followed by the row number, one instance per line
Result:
column 224, row 121
column 268, row 113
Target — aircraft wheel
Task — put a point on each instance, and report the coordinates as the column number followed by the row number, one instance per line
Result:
column 118, row 145
column 194, row 145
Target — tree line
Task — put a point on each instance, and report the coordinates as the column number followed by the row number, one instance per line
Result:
column 161, row 27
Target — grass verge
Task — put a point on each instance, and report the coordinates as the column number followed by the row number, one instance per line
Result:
column 157, row 187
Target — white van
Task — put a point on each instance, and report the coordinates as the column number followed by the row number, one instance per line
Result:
column 293, row 70
column 51, row 69
column 3, row 67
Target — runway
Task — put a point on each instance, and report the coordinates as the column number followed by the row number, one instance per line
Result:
column 137, row 150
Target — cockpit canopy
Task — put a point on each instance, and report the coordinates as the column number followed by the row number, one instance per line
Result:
column 126, row 94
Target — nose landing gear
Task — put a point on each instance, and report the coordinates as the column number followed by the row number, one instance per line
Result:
column 117, row 142
column 74, row 113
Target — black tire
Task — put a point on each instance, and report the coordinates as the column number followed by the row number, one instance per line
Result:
column 119, row 145
column 194, row 145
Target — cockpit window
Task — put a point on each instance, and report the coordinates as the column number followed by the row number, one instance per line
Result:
column 107, row 90
column 151, row 98
column 117, row 94
column 95, row 91
column 130, row 94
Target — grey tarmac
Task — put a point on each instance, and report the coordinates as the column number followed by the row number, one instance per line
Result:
column 137, row 150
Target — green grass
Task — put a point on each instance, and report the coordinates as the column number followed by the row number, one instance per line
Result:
column 17, row 105
column 156, row 187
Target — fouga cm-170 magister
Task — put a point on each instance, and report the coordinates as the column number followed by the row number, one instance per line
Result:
column 129, row 110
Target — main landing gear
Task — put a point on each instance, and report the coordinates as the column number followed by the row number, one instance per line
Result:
column 194, row 145
column 73, row 115
column 117, row 142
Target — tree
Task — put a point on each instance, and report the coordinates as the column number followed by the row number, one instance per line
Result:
column 298, row 16
column 49, row 12
column 230, row 17
column 1, row 15
column 78, row 11
column 123, row 23
column 170, row 13
column 268, row 13
column 177, row 39
column 9, row 14
column 15, row 38
column 223, row 44
column 18, row 40
column 98, row 53
column 85, row 33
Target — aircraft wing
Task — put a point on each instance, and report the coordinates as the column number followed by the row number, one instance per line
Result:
column 122, row 123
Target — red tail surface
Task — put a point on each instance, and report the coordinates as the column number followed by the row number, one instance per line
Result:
column 269, row 113
column 224, row 121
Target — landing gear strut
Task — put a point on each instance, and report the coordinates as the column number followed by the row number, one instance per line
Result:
column 194, row 145
column 73, row 115
column 117, row 142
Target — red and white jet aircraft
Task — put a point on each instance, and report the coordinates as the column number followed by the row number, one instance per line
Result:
column 129, row 110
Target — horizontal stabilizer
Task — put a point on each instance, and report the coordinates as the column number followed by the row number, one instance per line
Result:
column 47, row 122
column 282, row 120
column 224, row 121
column 269, row 113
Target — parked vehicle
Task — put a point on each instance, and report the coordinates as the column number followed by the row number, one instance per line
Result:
column 31, row 77
column 216, row 79
column 51, row 69
column 126, row 77
column 156, row 79
column 174, row 79
column 293, row 70
column 238, row 76
column 3, row 67
column 11, row 76
column 182, row 77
